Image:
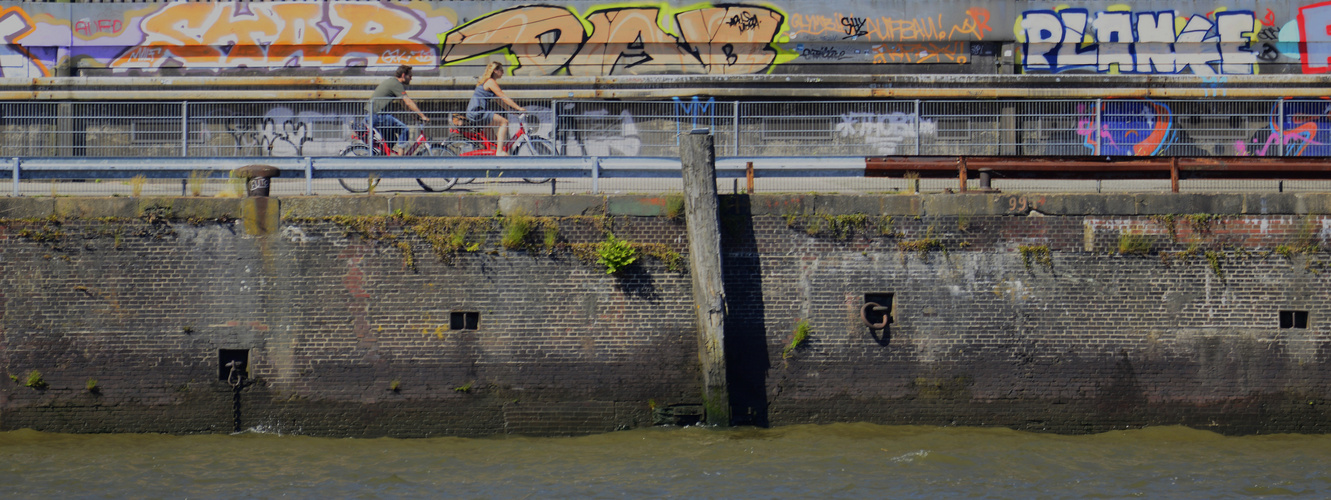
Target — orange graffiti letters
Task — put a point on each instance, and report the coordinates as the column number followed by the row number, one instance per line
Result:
column 230, row 35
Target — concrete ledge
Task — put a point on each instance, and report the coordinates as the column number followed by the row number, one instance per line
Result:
column 464, row 205
column 24, row 208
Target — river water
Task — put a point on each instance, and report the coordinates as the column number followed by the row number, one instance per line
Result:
column 843, row 460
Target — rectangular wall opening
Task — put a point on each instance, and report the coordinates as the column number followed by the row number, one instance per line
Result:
column 461, row 320
column 225, row 356
column 1293, row 319
column 881, row 315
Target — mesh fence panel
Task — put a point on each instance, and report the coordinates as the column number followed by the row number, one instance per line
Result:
column 614, row 128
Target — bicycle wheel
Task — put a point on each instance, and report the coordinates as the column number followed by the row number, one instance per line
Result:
column 438, row 185
column 358, row 185
column 537, row 146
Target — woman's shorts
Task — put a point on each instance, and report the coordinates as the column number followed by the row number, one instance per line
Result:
column 481, row 116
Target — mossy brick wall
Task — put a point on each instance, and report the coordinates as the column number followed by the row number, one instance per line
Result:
column 333, row 322
column 1090, row 339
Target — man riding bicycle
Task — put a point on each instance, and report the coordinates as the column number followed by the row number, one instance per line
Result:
column 394, row 88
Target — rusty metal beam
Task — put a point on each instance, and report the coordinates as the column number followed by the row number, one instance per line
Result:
column 1103, row 168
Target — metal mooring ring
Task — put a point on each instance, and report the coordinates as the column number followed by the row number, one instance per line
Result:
column 864, row 315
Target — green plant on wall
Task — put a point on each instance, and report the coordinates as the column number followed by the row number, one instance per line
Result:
column 516, row 226
column 615, row 254
column 1213, row 259
column 35, row 380
column 674, row 207
column 797, row 339
column 1036, row 253
column 1134, row 243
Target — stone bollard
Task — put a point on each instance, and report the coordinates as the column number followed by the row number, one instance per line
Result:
column 256, row 179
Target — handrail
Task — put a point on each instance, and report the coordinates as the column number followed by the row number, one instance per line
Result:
column 960, row 167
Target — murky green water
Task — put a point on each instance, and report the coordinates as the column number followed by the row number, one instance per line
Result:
column 847, row 461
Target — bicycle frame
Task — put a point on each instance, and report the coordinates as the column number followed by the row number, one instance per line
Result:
column 483, row 144
column 370, row 136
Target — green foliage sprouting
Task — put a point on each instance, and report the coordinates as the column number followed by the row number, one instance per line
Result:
column 35, row 380
column 797, row 339
column 1134, row 243
column 516, row 227
column 674, row 207
column 92, row 387
column 463, row 388
column 1213, row 258
column 615, row 254
column 1036, row 253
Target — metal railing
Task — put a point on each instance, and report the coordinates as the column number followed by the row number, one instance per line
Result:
column 1090, row 127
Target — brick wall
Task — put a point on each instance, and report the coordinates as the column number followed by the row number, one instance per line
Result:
column 1182, row 327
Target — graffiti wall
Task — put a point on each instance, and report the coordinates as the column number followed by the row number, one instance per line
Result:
column 581, row 38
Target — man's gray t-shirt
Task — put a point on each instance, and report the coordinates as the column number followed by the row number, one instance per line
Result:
column 385, row 93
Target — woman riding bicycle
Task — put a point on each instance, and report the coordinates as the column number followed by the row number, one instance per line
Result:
column 485, row 102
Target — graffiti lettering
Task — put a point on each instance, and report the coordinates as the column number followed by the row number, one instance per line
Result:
column 920, row 53
column 890, row 29
column 884, row 132
column 547, row 40
column 14, row 59
column 1314, row 21
column 229, row 35
column 853, row 26
column 598, row 133
column 86, row 27
column 1144, row 42
column 744, row 21
column 823, row 53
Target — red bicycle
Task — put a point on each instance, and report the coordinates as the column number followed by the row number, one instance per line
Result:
column 472, row 140
column 367, row 141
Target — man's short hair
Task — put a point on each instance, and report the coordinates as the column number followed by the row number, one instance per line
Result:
column 402, row 70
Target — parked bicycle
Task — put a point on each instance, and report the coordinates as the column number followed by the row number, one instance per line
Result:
column 367, row 141
column 469, row 140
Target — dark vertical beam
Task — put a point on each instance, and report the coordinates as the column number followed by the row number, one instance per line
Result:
column 698, row 155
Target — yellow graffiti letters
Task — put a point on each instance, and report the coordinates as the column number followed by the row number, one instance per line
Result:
column 541, row 38
column 546, row 40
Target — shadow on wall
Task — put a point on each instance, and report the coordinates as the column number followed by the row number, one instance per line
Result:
column 746, row 321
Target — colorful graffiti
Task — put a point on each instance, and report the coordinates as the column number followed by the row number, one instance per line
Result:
column 14, row 59
column 1297, row 128
column 215, row 36
column 891, row 29
column 1138, row 42
column 1128, row 128
column 639, row 37
column 545, row 40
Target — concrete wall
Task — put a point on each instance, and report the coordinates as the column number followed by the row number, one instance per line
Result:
column 340, row 302
column 591, row 38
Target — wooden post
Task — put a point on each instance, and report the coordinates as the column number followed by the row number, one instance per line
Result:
column 1173, row 175
column 748, row 174
column 698, row 156
column 961, row 173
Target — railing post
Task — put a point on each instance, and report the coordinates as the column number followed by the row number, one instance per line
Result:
column 184, row 128
column 554, row 130
column 1095, row 130
column 309, row 176
column 596, row 174
column 1280, row 128
column 734, row 128
column 16, row 164
column 917, row 128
